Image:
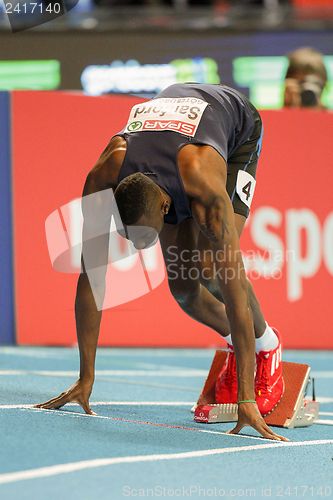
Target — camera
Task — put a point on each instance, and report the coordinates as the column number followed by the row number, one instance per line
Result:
column 311, row 89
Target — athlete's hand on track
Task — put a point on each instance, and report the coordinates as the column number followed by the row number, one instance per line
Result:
column 248, row 414
column 77, row 393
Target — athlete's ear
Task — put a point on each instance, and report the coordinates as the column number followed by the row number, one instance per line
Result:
column 165, row 207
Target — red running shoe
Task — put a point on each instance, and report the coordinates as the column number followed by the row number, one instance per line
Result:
column 226, row 383
column 269, row 383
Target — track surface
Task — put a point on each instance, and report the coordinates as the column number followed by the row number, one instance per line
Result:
column 144, row 443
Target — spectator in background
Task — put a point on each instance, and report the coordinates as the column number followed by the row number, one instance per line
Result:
column 306, row 78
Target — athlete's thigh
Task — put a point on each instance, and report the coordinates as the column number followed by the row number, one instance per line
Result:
column 179, row 246
column 242, row 170
column 240, row 221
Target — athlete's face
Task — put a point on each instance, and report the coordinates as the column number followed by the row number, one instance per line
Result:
column 145, row 232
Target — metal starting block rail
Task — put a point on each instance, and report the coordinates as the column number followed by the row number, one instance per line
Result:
column 294, row 410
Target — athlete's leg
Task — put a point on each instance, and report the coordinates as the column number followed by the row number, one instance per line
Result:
column 191, row 280
column 258, row 317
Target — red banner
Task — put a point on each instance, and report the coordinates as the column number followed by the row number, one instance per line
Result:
column 288, row 241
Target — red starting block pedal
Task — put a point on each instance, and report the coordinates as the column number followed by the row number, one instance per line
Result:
column 294, row 410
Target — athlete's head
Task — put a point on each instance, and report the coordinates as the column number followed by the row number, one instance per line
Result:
column 142, row 206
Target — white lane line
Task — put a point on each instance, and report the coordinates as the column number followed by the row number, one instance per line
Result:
column 55, row 470
column 12, row 372
column 147, row 403
column 119, row 352
column 324, row 400
column 177, row 353
column 109, row 403
column 156, row 366
column 56, row 352
column 13, row 407
column 130, row 403
column 324, row 422
column 327, row 413
column 30, row 354
column 74, row 414
column 122, row 403
column 111, row 373
column 307, row 354
column 51, row 355
column 165, row 372
column 322, row 374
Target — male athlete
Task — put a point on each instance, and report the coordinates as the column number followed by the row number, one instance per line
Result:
column 184, row 169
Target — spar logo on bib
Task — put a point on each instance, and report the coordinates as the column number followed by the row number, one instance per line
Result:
column 134, row 126
column 176, row 114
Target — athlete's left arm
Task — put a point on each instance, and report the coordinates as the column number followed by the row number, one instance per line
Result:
column 213, row 212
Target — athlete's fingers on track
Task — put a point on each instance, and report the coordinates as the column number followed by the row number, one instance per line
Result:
column 267, row 432
column 263, row 430
column 236, row 429
column 55, row 403
column 279, row 437
column 64, row 398
column 87, row 408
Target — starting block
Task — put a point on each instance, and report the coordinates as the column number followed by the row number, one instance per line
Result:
column 294, row 410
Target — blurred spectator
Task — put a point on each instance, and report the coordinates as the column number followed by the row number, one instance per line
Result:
column 201, row 3
column 263, row 3
column 306, row 78
column 123, row 3
column 198, row 3
column 149, row 3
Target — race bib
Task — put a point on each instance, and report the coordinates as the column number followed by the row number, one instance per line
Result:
column 176, row 114
column 245, row 187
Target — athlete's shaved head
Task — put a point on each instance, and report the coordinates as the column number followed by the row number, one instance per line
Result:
column 141, row 203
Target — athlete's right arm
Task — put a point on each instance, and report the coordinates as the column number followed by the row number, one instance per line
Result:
column 91, row 282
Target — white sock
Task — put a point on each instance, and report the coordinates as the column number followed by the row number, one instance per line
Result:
column 268, row 341
column 228, row 339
